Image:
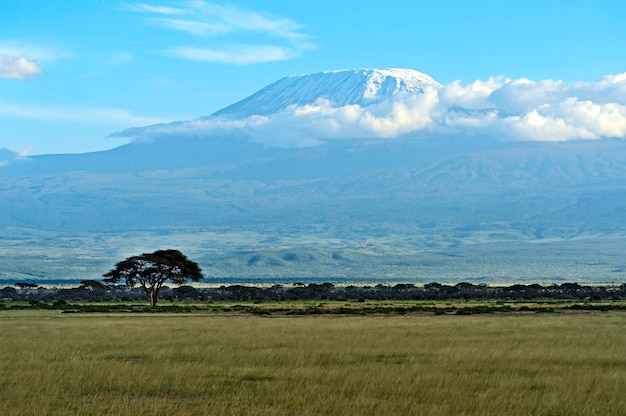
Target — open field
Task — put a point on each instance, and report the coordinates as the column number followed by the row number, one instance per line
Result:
column 199, row 364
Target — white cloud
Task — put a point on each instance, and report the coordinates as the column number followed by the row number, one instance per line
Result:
column 534, row 126
column 473, row 96
column 192, row 27
column 148, row 8
column 17, row 67
column 203, row 18
column 602, row 120
column 19, row 60
column 236, row 54
column 209, row 19
column 272, row 38
column 544, row 110
column 519, row 109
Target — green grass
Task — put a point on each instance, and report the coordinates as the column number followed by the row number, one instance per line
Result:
column 200, row 364
column 328, row 307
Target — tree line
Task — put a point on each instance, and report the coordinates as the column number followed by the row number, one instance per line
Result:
column 96, row 291
column 146, row 275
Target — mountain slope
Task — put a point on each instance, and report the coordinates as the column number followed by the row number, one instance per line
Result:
column 387, row 207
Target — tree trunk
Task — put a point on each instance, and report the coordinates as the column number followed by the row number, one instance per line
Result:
column 153, row 295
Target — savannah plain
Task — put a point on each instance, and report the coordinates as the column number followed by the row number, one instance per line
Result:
column 217, row 363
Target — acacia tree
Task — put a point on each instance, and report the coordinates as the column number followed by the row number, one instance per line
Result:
column 152, row 270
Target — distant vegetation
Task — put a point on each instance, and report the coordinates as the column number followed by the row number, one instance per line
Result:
column 94, row 296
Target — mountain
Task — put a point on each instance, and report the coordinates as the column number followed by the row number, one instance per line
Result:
column 361, row 87
column 300, row 108
column 414, row 208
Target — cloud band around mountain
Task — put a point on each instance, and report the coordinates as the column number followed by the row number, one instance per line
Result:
column 511, row 110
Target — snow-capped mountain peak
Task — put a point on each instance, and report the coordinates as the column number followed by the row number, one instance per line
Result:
column 358, row 86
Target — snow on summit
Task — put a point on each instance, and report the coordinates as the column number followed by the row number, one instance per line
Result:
column 340, row 88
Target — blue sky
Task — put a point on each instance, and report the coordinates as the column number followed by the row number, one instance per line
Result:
column 73, row 72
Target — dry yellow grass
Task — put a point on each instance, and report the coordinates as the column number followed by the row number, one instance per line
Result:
column 53, row 364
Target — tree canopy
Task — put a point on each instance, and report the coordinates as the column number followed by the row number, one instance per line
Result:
column 152, row 270
column 26, row 285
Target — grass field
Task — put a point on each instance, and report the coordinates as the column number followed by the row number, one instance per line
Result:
column 203, row 364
